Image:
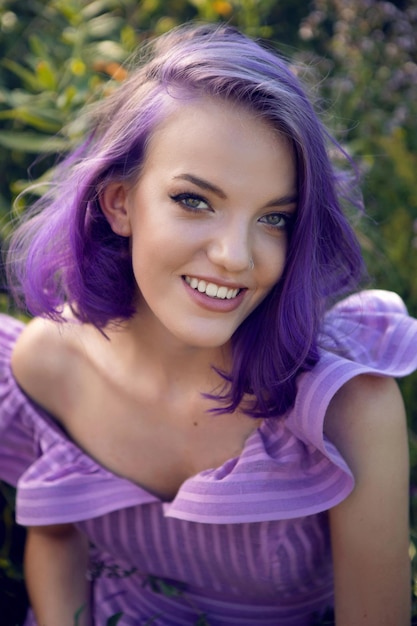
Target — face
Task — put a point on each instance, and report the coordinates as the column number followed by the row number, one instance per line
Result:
column 208, row 221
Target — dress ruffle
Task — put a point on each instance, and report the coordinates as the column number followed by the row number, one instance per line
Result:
column 287, row 469
column 56, row 481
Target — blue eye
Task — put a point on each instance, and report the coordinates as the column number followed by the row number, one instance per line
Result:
column 191, row 202
column 278, row 221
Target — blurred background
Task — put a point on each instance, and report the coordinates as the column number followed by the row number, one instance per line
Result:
column 359, row 58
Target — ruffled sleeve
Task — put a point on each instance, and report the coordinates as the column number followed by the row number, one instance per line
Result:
column 17, row 445
column 56, row 481
column 368, row 333
column 288, row 468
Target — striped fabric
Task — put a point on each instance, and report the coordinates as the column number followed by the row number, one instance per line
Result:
column 246, row 543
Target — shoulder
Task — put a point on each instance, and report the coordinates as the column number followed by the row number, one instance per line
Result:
column 46, row 362
column 366, row 416
column 366, row 421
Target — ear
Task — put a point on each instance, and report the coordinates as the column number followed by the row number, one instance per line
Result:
column 113, row 203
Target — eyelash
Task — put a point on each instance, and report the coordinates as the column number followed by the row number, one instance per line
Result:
column 288, row 219
column 181, row 198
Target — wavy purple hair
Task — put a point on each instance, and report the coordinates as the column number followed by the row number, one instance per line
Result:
column 66, row 252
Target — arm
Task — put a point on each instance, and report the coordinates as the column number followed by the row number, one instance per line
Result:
column 56, row 559
column 370, row 533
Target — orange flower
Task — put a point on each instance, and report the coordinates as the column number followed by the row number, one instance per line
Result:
column 222, row 7
column 113, row 69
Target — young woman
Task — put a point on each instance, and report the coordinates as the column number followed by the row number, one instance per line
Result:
column 198, row 434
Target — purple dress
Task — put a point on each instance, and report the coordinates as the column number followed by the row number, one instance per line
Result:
column 244, row 544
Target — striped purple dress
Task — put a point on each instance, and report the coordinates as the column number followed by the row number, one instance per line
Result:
column 244, row 544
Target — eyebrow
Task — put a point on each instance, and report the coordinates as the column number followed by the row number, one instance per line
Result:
column 207, row 186
column 203, row 184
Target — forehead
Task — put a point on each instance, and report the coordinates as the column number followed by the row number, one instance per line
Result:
column 221, row 138
column 198, row 125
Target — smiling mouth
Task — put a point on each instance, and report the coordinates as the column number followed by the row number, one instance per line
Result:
column 211, row 289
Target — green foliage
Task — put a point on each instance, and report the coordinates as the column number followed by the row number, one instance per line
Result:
column 66, row 55
column 172, row 589
column 370, row 54
column 70, row 50
column 13, row 600
column 114, row 619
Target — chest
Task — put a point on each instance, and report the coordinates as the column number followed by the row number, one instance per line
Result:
column 158, row 444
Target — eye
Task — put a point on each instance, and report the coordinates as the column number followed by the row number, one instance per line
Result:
column 191, row 202
column 278, row 221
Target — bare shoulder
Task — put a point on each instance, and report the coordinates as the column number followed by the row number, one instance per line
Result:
column 46, row 361
column 369, row 529
column 366, row 414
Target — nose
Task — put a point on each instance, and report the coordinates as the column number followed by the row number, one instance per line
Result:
column 230, row 247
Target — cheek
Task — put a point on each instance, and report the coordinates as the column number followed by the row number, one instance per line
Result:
column 272, row 263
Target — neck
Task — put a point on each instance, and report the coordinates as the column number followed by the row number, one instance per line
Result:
column 169, row 362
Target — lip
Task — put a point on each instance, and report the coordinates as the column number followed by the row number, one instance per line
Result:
column 217, row 281
column 216, row 305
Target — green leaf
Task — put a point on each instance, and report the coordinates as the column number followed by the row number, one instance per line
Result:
column 28, row 77
column 108, row 49
column 171, row 591
column 69, row 10
column 202, row 621
column 46, row 76
column 32, row 142
column 36, row 121
column 114, row 619
column 78, row 615
column 103, row 26
column 97, row 7
column 15, row 98
column 38, row 47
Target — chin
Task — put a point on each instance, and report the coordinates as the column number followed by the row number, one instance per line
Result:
column 204, row 340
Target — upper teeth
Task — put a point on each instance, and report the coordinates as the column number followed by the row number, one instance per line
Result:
column 211, row 289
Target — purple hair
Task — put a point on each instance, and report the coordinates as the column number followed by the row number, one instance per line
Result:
column 66, row 252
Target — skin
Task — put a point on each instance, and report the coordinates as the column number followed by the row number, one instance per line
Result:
column 217, row 190
column 56, row 559
column 370, row 536
column 210, row 204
